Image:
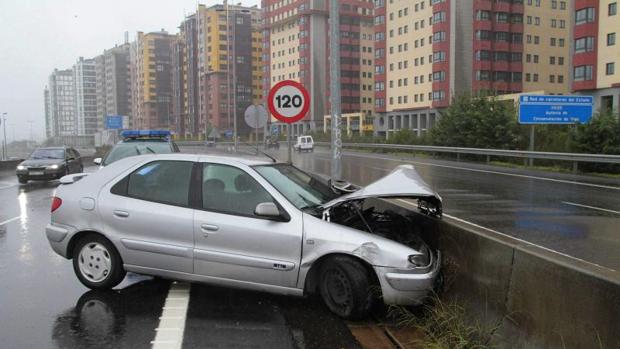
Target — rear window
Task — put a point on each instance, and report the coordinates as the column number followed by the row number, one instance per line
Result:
column 124, row 150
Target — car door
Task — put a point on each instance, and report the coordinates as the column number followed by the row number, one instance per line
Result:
column 148, row 214
column 232, row 242
column 71, row 161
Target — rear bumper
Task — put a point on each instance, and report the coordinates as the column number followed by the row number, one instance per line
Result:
column 59, row 236
column 405, row 287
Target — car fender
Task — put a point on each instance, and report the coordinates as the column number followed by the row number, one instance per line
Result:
column 322, row 238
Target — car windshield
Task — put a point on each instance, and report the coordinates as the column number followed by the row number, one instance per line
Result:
column 124, row 150
column 301, row 189
column 48, row 154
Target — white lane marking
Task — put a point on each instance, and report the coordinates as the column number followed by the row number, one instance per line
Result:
column 487, row 171
column 8, row 186
column 172, row 320
column 513, row 238
column 591, row 207
column 10, row 220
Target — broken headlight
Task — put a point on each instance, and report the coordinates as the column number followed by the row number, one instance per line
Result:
column 421, row 260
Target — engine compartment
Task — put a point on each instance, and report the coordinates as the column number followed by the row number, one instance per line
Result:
column 382, row 219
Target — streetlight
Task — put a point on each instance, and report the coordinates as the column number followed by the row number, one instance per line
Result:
column 234, row 70
column 4, row 150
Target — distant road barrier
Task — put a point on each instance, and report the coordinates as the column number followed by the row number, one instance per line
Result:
column 575, row 158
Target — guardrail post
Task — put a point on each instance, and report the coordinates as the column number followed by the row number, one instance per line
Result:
column 488, row 159
column 575, row 166
column 458, row 157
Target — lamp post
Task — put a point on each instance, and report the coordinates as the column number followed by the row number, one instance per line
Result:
column 4, row 151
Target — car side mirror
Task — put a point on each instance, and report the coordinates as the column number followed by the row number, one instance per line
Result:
column 97, row 161
column 268, row 210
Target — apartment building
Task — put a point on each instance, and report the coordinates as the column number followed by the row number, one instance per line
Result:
column 229, row 54
column 296, row 37
column 547, row 43
column 113, row 83
column 85, row 80
column 60, row 113
column 151, row 85
column 596, row 57
column 428, row 51
column 185, row 86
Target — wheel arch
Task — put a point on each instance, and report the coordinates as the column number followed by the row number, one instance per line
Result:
column 79, row 235
column 312, row 276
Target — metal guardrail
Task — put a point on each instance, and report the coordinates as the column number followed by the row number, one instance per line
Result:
column 575, row 158
column 572, row 157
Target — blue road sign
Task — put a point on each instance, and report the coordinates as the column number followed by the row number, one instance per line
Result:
column 228, row 133
column 114, row 122
column 542, row 109
column 275, row 130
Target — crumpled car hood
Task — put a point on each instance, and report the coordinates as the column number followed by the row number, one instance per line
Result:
column 402, row 182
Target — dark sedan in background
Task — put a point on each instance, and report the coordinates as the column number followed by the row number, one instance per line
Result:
column 49, row 163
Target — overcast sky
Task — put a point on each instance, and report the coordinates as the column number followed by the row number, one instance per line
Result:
column 38, row 36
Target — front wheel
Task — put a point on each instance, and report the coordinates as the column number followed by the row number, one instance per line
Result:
column 345, row 287
column 22, row 180
column 96, row 263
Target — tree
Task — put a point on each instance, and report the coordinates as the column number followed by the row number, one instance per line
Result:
column 600, row 136
column 478, row 122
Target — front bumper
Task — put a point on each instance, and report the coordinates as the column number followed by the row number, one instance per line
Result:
column 59, row 236
column 41, row 174
column 407, row 286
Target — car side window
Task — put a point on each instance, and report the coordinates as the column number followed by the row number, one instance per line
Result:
column 165, row 182
column 230, row 190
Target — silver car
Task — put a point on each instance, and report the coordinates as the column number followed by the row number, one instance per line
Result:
column 249, row 224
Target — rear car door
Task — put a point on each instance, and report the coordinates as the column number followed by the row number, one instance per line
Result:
column 234, row 243
column 149, row 212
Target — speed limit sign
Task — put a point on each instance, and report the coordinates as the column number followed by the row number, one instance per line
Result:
column 288, row 101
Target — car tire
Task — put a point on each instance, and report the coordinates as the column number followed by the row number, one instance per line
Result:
column 81, row 169
column 96, row 263
column 22, row 180
column 345, row 287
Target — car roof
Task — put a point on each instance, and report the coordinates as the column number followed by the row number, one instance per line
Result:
column 244, row 160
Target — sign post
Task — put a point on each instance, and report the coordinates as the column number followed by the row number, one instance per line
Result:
column 256, row 117
column 555, row 110
column 289, row 102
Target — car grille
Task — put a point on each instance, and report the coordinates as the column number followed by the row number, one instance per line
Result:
column 36, row 168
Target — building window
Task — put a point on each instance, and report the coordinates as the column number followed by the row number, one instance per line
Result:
column 611, row 39
column 609, row 69
column 612, row 9
column 560, row 79
column 583, row 72
column 585, row 15
column 535, row 77
column 584, row 44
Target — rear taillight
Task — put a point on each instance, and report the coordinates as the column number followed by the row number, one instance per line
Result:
column 56, row 202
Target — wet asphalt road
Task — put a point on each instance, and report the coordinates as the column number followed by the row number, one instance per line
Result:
column 43, row 305
column 543, row 208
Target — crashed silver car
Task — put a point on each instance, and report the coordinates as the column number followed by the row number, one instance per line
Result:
column 249, row 224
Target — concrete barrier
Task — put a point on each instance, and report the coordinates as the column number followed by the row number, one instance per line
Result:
column 544, row 299
column 9, row 164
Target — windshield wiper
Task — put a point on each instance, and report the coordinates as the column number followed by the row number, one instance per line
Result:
column 151, row 150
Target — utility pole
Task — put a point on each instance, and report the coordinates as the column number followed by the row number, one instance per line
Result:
column 4, row 150
column 334, row 87
column 234, row 78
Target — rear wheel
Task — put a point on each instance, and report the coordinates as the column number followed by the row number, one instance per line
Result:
column 345, row 287
column 96, row 263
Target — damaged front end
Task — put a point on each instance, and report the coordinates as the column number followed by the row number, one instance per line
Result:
column 374, row 209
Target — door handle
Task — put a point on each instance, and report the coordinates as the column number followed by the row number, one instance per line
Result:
column 209, row 227
column 122, row 214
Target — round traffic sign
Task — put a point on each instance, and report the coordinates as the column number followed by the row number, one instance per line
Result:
column 288, row 101
column 256, row 116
